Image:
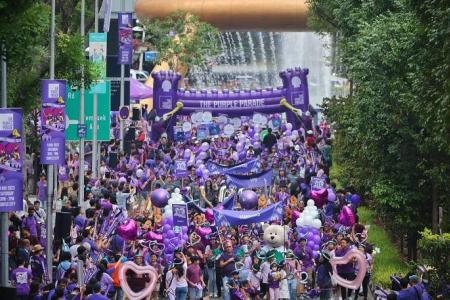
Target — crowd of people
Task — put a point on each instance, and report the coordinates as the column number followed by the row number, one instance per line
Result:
column 230, row 262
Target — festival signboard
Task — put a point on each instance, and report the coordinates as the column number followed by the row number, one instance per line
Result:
column 53, row 122
column 181, row 168
column 11, row 160
column 180, row 214
column 318, row 183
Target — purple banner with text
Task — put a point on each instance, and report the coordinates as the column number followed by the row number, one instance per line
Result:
column 125, row 24
column 11, row 160
column 227, row 217
column 53, row 122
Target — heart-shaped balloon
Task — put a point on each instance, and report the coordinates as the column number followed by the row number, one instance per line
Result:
column 348, row 258
column 127, row 230
column 139, row 270
column 157, row 248
column 203, row 231
column 153, row 236
column 194, row 239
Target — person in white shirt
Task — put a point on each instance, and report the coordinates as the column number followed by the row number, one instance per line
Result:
column 39, row 212
column 265, row 270
column 171, row 283
column 180, row 271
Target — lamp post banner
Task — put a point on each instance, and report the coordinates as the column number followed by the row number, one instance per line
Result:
column 125, row 22
column 53, row 122
column 11, row 160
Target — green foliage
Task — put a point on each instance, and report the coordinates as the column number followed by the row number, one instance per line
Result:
column 435, row 252
column 392, row 139
column 182, row 40
column 24, row 29
column 388, row 261
column 71, row 59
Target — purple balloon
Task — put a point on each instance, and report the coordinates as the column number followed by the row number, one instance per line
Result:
column 167, row 227
column 331, row 196
column 248, row 199
column 160, row 197
column 128, row 230
column 187, row 153
column 170, row 234
column 169, row 221
column 204, row 146
column 316, row 247
column 356, row 199
column 310, row 244
column 184, row 229
column 316, row 239
column 202, row 155
column 242, row 155
column 239, row 147
column 257, row 145
column 205, row 173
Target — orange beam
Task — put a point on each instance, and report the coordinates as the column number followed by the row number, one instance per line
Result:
column 234, row 15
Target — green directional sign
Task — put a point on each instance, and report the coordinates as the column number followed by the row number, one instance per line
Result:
column 73, row 114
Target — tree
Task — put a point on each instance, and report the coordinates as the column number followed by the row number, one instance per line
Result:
column 392, row 141
column 182, row 40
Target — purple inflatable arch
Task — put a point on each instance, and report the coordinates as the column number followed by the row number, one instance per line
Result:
column 166, row 97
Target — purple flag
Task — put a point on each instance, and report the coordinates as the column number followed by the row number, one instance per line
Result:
column 125, row 23
column 180, row 214
column 11, row 160
column 227, row 217
column 250, row 181
column 53, row 121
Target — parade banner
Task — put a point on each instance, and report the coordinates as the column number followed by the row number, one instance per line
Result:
column 227, row 217
column 180, row 214
column 53, row 122
column 181, row 168
column 318, row 183
column 125, row 23
column 247, row 167
column 97, row 55
column 250, row 181
column 11, row 160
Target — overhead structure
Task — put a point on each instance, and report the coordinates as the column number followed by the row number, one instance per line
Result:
column 234, row 15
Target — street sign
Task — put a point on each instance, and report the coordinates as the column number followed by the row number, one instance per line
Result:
column 124, row 112
column 150, row 55
column 73, row 114
column 81, row 130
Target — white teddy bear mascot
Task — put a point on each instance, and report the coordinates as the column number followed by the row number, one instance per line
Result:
column 275, row 237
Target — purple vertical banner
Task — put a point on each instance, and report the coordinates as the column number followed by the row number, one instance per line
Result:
column 53, row 122
column 180, row 214
column 11, row 160
column 125, row 24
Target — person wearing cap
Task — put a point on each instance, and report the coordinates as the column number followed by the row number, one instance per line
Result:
column 254, row 280
column 227, row 263
column 323, row 277
column 37, row 263
column 265, row 270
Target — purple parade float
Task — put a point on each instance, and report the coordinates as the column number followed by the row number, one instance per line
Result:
column 292, row 98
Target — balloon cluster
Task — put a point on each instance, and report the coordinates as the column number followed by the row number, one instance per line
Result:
column 309, row 216
column 174, row 237
column 312, row 236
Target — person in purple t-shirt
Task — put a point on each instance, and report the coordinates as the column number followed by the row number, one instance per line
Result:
column 42, row 189
column 21, row 280
column 306, row 256
column 30, row 223
column 346, row 271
